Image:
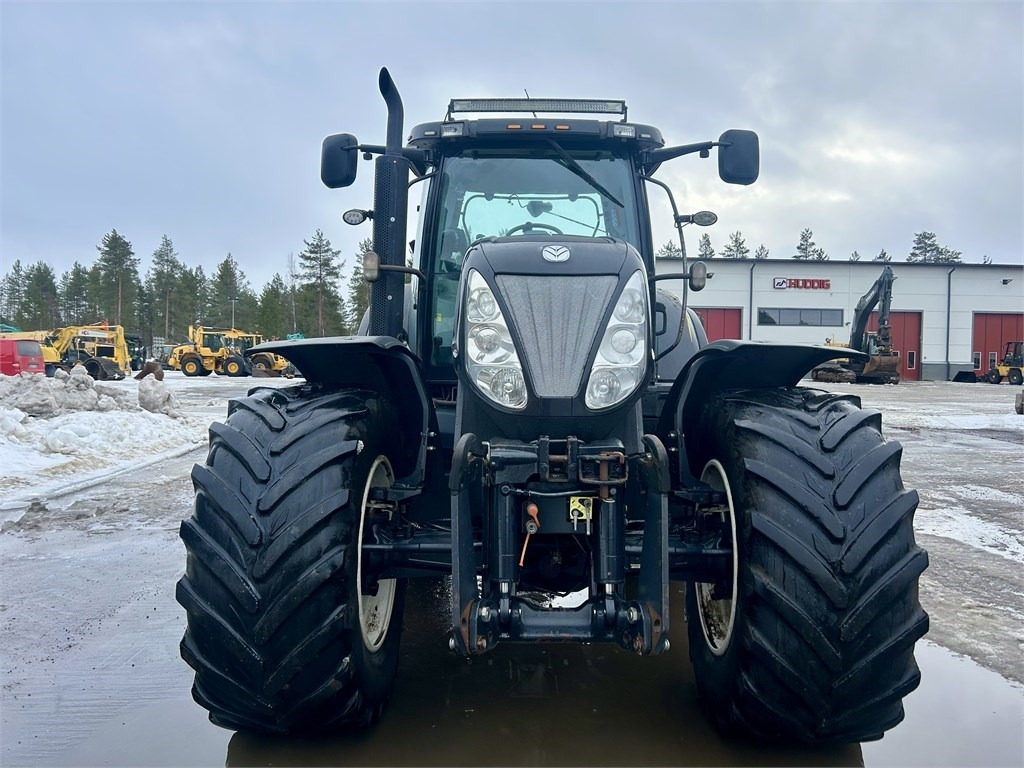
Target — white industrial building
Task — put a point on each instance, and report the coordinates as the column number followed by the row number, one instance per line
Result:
column 945, row 318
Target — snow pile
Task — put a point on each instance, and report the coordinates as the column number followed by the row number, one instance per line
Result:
column 156, row 398
column 37, row 395
column 70, row 429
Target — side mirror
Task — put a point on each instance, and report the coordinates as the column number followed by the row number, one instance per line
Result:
column 338, row 160
column 371, row 267
column 739, row 157
column 698, row 276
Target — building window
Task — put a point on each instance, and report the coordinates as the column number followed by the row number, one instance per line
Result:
column 911, row 359
column 991, row 360
column 977, row 361
column 831, row 318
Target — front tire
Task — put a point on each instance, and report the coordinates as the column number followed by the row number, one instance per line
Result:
column 994, row 377
column 813, row 640
column 1015, row 377
column 192, row 366
column 280, row 633
column 235, row 366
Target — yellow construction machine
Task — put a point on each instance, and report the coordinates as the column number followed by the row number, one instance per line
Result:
column 222, row 351
column 1011, row 367
column 100, row 347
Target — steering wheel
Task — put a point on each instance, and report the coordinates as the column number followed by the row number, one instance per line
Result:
column 529, row 226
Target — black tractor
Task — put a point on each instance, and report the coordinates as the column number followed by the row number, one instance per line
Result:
column 529, row 413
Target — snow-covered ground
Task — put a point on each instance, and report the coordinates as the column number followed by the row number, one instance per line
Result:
column 65, row 434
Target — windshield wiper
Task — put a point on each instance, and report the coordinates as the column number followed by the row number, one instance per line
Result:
column 580, row 171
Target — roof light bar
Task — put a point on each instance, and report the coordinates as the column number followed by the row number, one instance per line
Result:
column 579, row 106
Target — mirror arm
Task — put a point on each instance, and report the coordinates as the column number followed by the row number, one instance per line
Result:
column 416, row 158
column 396, row 268
column 660, row 155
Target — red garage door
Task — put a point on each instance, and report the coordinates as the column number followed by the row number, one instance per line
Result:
column 720, row 323
column 991, row 332
column 906, row 339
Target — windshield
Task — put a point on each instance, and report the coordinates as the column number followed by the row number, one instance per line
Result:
column 492, row 193
column 524, row 191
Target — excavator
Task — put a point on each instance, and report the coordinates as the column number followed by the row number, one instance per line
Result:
column 883, row 363
column 102, row 348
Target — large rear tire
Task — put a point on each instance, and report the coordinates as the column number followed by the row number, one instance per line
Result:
column 280, row 634
column 813, row 640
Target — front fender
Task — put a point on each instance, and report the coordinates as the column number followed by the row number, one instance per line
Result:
column 730, row 364
column 379, row 363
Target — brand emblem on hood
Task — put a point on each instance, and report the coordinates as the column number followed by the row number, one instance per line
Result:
column 555, row 253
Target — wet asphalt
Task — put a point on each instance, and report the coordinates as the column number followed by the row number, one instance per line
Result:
column 92, row 676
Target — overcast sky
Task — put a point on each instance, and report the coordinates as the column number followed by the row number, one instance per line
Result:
column 203, row 121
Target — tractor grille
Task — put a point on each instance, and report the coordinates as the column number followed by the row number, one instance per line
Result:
column 558, row 319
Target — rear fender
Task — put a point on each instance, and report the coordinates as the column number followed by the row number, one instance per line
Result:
column 379, row 363
column 729, row 364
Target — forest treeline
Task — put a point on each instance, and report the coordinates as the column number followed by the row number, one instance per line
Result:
column 172, row 295
column 311, row 298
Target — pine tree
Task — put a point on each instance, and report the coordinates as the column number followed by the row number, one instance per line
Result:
column 670, row 250
column 855, row 256
column 39, row 307
column 761, row 252
column 119, row 277
column 986, row 259
column 292, row 285
column 13, row 295
column 819, row 255
column 737, row 248
column 74, row 295
column 358, row 289
column 196, row 293
column 320, row 272
column 94, row 295
column 232, row 301
column 925, row 248
column 273, row 318
column 164, row 280
column 883, row 255
column 806, row 248
column 704, row 249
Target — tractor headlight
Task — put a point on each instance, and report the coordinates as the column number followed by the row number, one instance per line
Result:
column 490, row 355
column 621, row 359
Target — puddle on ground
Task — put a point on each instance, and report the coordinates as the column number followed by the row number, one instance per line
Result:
column 570, row 705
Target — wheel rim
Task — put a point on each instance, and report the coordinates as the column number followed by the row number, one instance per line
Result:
column 374, row 610
column 718, row 617
column 232, row 368
column 191, row 367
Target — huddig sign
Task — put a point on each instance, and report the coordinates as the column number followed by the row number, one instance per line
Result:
column 802, row 282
